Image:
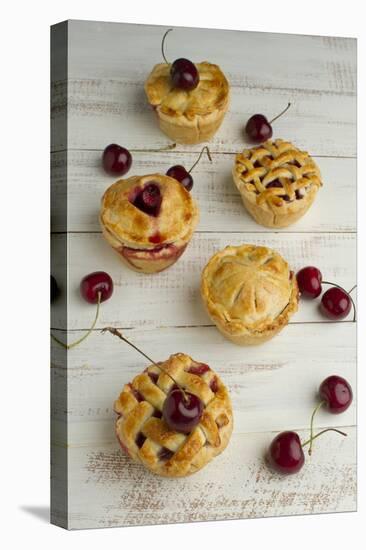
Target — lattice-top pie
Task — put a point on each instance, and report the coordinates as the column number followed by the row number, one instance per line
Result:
column 144, row 435
column 250, row 293
column 277, row 182
column 189, row 116
column 148, row 220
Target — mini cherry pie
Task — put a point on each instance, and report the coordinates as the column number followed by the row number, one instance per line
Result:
column 149, row 220
column 277, row 182
column 249, row 292
column 189, row 116
column 147, row 439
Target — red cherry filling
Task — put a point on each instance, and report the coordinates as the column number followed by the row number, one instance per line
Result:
column 93, row 284
column 214, row 385
column 140, row 440
column 199, row 369
column 285, row 453
column 137, row 395
column 335, row 303
column 184, row 74
column 309, row 280
column 165, row 454
column 149, row 199
column 182, row 411
column 337, row 394
column 154, row 376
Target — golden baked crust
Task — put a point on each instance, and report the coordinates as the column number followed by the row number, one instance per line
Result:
column 148, row 243
column 189, row 116
column 249, row 292
column 145, row 436
column 277, row 182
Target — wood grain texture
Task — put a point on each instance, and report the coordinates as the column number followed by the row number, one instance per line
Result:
column 273, row 386
column 281, row 376
column 237, row 484
column 172, row 298
column 221, row 208
column 106, row 101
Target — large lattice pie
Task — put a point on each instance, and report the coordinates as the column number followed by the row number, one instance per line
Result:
column 144, row 435
column 249, row 292
column 148, row 220
column 277, row 182
column 189, row 116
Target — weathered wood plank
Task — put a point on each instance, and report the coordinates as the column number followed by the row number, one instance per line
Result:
column 108, row 111
column 171, row 298
column 220, row 204
column 288, row 61
column 281, row 377
column 107, row 489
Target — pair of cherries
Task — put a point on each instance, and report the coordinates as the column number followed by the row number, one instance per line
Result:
column 286, row 454
column 336, row 303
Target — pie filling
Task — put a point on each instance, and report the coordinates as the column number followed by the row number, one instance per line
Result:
column 163, row 252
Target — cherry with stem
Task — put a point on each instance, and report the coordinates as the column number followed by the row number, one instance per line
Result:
column 179, row 173
column 183, row 72
column 259, row 129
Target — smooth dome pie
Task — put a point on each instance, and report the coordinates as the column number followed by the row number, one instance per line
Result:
column 148, row 220
column 249, row 292
column 146, row 438
column 277, row 182
column 189, row 116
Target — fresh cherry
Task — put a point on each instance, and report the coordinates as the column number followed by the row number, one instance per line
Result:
column 309, row 280
column 55, row 291
column 180, row 174
column 258, row 129
column 285, row 453
column 184, row 74
column 149, row 199
column 94, row 284
column 337, row 394
column 182, row 411
column 116, row 160
column 336, row 303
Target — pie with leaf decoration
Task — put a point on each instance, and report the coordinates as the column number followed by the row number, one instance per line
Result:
column 249, row 292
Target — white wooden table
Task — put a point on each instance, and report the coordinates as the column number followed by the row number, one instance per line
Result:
column 273, row 386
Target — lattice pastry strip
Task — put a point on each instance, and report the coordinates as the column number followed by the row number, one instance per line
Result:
column 145, row 436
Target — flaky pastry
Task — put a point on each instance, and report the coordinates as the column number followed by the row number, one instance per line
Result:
column 277, row 182
column 143, row 433
column 189, row 116
column 149, row 236
column 249, row 292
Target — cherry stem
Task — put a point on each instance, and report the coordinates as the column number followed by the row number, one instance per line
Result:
column 319, row 405
column 162, row 46
column 321, row 433
column 281, row 113
column 349, row 294
column 205, row 148
column 119, row 335
column 73, row 344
